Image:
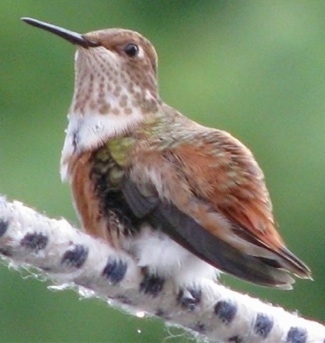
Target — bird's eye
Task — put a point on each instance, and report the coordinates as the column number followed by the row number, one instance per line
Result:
column 131, row 50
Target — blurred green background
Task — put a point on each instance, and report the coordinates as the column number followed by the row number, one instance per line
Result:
column 254, row 68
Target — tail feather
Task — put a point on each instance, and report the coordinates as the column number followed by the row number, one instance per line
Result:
column 281, row 258
column 292, row 263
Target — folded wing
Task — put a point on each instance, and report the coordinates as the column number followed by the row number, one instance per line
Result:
column 209, row 195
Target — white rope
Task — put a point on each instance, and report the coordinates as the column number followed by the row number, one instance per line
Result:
column 71, row 258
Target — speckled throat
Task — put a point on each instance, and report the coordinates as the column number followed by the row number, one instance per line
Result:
column 109, row 100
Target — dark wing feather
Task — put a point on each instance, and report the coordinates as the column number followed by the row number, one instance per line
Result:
column 188, row 233
column 139, row 204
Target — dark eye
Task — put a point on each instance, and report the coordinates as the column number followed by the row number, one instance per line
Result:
column 131, row 49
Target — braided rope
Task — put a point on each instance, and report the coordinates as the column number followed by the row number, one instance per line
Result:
column 72, row 258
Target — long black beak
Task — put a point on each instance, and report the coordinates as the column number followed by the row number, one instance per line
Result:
column 72, row 37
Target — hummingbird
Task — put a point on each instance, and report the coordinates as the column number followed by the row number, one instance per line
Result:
column 185, row 200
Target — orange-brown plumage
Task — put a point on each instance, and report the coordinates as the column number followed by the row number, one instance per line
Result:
column 83, row 193
column 233, row 185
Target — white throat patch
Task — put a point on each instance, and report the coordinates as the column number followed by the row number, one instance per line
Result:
column 90, row 131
